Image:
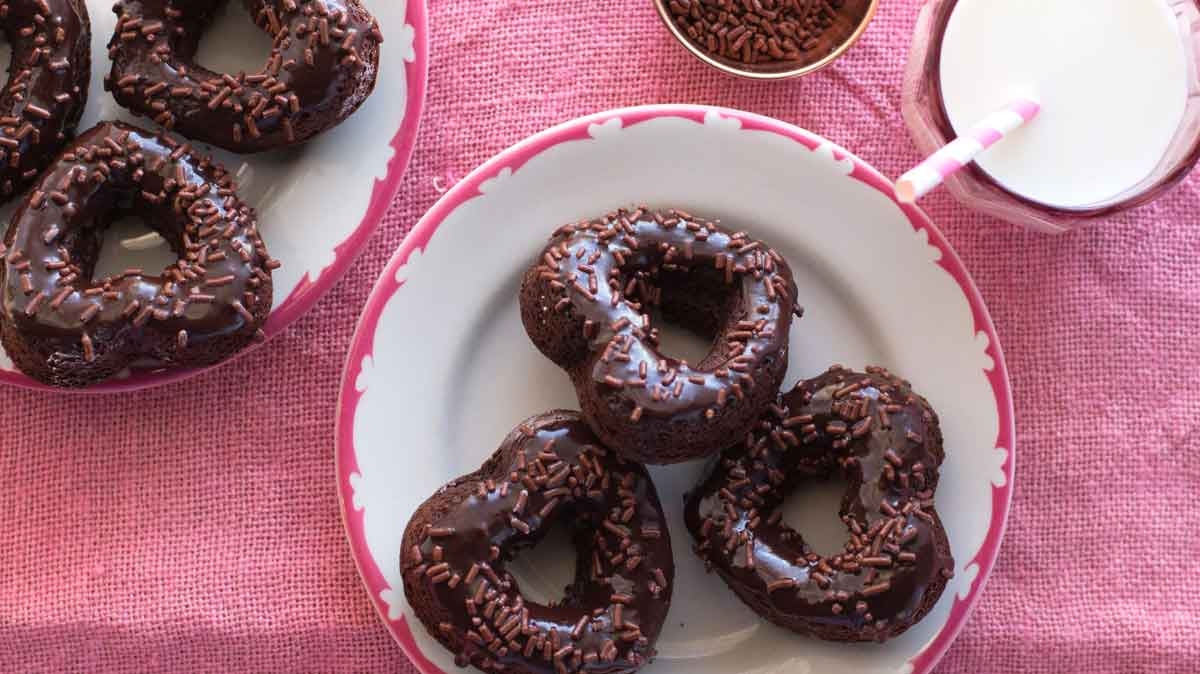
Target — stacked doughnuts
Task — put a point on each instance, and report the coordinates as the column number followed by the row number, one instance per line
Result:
column 591, row 303
column 59, row 323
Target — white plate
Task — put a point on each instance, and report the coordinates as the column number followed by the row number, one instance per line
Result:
column 317, row 204
column 440, row 368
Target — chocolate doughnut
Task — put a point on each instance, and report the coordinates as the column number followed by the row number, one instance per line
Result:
column 550, row 470
column 322, row 66
column 586, row 304
column 47, row 85
column 63, row 327
column 887, row 444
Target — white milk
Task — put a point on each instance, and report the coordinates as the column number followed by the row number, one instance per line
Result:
column 1111, row 75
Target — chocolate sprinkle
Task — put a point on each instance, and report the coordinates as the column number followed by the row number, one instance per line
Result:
column 761, row 32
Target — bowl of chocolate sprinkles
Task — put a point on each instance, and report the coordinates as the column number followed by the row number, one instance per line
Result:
column 767, row 39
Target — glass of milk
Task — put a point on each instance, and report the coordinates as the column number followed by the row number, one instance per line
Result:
column 1118, row 82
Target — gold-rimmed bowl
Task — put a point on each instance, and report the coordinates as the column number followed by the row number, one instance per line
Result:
column 851, row 21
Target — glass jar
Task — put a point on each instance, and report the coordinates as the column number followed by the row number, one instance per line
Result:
column 928, row 122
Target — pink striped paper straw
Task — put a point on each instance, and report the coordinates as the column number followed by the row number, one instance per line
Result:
column 932, row 172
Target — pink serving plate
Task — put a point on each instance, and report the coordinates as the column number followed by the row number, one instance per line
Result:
column 317, row 204
column 440, row 369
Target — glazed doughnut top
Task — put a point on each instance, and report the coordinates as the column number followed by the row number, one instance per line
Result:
column 322, row 67
column 587, row 305
column 887, row 443
column 65, row 327
column 551, row 469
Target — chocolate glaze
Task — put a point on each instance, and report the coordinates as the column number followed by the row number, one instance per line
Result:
column 47, row 85
column 63, row 327
column 322, row 66
column 585, row 305
column 886, row 441
column 550, row 469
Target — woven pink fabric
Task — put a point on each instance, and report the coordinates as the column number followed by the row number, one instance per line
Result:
column 196, row 528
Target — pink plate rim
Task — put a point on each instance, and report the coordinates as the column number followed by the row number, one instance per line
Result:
column 308, row 292
column 362, row 344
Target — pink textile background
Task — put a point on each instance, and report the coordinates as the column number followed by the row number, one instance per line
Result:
column 195, row 528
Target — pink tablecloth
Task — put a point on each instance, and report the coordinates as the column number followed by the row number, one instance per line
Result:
column 195, row 528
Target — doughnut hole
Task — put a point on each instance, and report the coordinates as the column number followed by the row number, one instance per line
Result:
column 114, row 257
column 115, row 213
column 546, row 571
column 811, row 509
column 232, row 43
column 695, row 308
